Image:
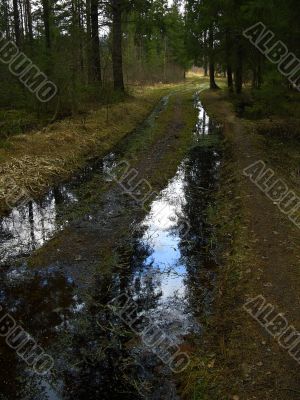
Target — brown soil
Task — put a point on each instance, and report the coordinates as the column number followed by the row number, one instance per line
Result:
column 251, row 363
column 32, row 162
column 84, row 242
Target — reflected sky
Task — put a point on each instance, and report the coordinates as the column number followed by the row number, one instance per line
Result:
column 29, row 227
column 162, row 237
column 167, row 267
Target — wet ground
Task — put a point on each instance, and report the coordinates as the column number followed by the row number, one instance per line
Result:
column 117, row 310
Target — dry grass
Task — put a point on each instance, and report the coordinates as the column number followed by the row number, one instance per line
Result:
column 215, row 371
column 36, row 160
column 245, row 224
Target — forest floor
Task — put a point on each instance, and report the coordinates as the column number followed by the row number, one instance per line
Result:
column 261, row 259
column 237, row 358
column 34, row 161
column 95, row 246
column 155, row 155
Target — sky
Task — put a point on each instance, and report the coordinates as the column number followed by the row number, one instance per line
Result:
column 170, row 2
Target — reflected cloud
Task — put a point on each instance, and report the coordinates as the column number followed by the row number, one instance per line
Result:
column 168, row 272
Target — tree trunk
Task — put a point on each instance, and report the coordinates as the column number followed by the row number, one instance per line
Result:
column 117, row 56
column 81, row 34
column 229, row 78
column 205, row 63
column 212, row 81
column 17, row 23
column 259, row 73
column 21, row 19
column 213, row 84
column 239, row 69
column 96, row 61
column 74, row 52
column 88, row 19
column 29, row 20
column 205, row 67
column 89, row 37
column 46, row 19
column 6, row 18
column 256, row 75
column 229, row 60
column 165, row 60
column 254, row 78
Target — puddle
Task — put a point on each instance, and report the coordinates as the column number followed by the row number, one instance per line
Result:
column 30, row 226
column 166, row 270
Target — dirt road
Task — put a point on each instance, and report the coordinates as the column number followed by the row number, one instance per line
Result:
column 268, row 265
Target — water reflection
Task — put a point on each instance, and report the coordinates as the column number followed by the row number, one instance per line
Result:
column 204, row 123
column 29, row 227
column 180, row 264
column 39, row 302
column 166, row 269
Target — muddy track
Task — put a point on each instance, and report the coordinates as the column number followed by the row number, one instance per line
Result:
column 267, row 371
column 88, row 239
column 59, row 288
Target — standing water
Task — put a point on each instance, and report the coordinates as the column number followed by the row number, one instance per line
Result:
column 126, row 332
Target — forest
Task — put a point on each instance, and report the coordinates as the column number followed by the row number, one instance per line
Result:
column 94, row 51
column 149, row 199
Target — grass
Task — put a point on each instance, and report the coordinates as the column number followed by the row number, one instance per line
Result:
column 231, row 339
column 154, row 151
column 272, row 100
column 15, row 122
column 212, row 367
column 39, row 159
column 164, row 124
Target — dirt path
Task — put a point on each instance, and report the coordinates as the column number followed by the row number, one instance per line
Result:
column 30, row 163
column 61, row 290
column 266, row 370
column 88, row 241
column 246, row 359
